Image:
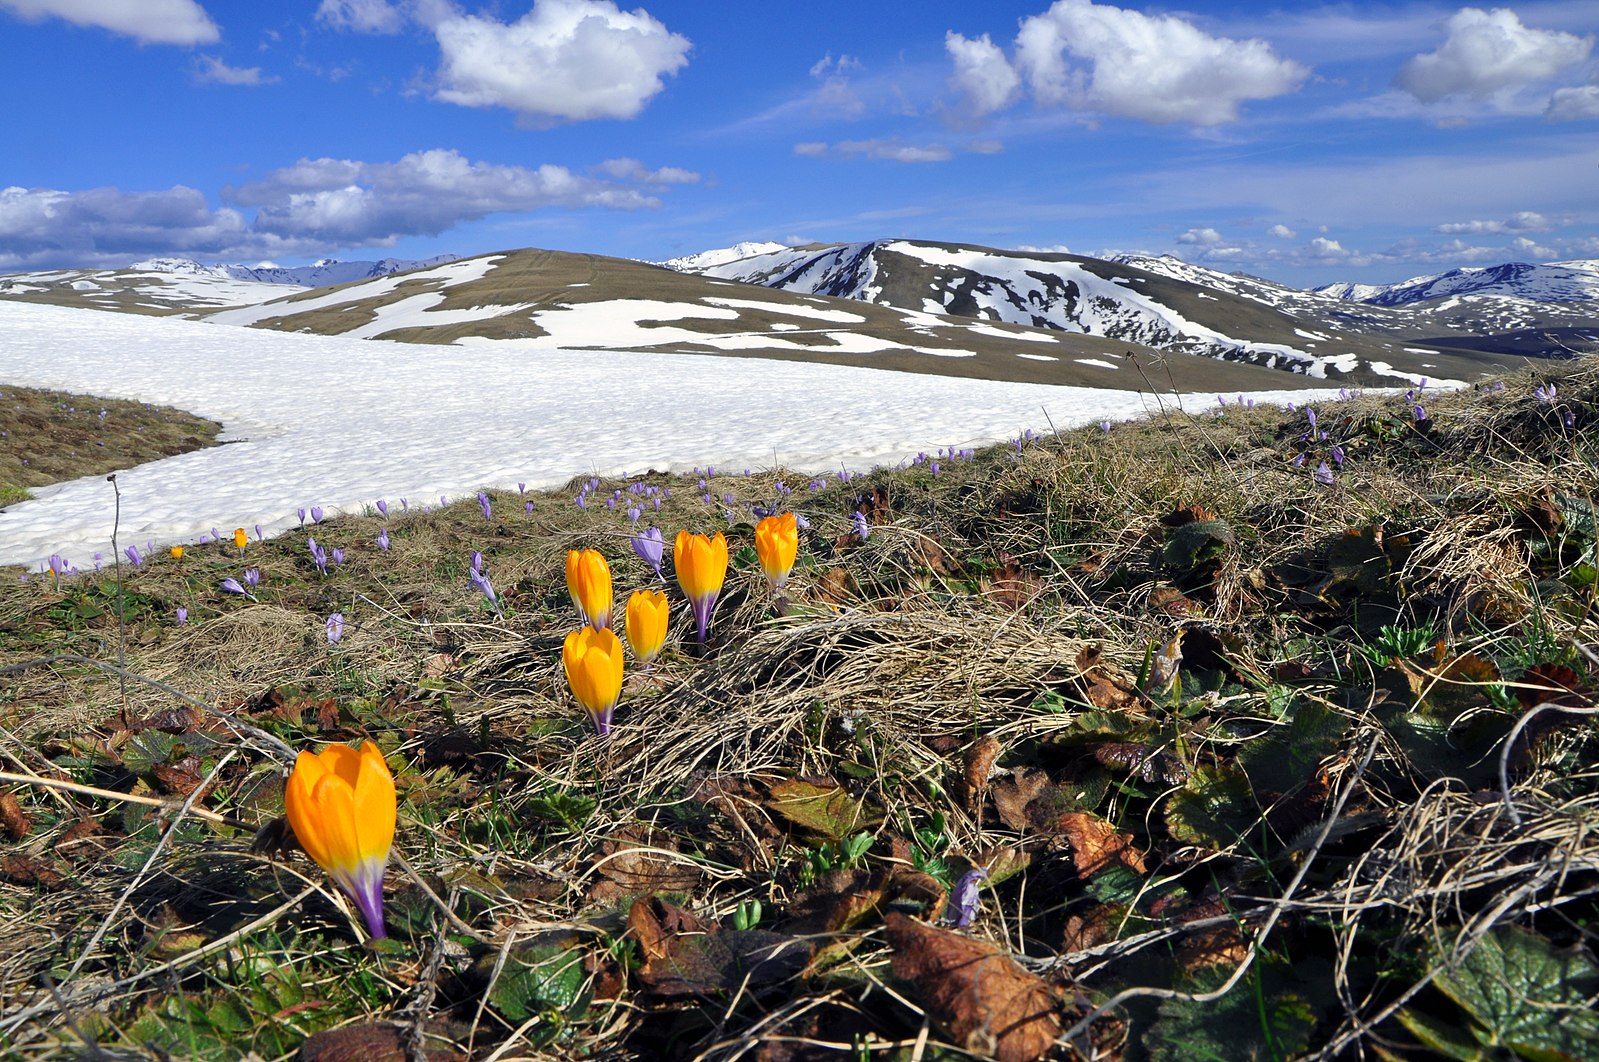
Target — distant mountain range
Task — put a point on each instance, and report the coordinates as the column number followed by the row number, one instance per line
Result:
column 1166, row 303
column 321, row 274
column 1547, row 282
column 1130, row 322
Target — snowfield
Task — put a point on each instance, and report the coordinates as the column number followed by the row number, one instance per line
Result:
column 340, row 422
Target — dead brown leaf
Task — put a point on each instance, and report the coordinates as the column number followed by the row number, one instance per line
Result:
column 1104, row 685
column 15, row 821
column 28, row 871
column 974, row 992
column 181, row 778
column 1012, row 586
column 1097, row 845
column 980, row 759
column 685, row 956
column 1012, row 795
column 640, row 861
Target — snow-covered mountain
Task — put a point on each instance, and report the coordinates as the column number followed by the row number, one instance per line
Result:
column 1158, row 303
column 1169, row 304
column 698, row 263
column 321, row 274
column 1574, row 281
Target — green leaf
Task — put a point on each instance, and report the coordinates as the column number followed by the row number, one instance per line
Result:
column 1216, row 809
column 824, row 808
column 1528, row 995
column 1195, row 544
column 1289, row 756
column 1260, row 1019
column 540, row 979
column 1448, row 1039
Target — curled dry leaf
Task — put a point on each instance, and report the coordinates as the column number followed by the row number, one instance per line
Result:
column 974, row 992
column 1012, row 796
column 1103, row 685
column 13, row 819
column 980, row 759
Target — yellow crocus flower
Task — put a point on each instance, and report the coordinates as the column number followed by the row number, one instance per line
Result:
column 341, row 806
column 177, row 552
column 592, row 657
column 701, row 566
column 648, row 616
column 240, row 538
column 588, row 580
column 776, row 543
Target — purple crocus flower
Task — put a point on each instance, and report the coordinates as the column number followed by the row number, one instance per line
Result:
column 335, row 628
column 861, row 529
column 133, row 555
column 528, row 507
column 1323, row 475
column 252, row 577
column 338, row 556
column 651, row 548
column 259, row 537
column 1419, row 413
column 1104, row 426
column 383, row 539
column 633, row 513
column 1338, row 456
column 521, row 488
column 231, row 585
column 316, row 514
column 404, row 505
column 383, row 507
column 1545, row 394
column 481, row 581
column 581, row 501
column 477, row 561
column 1310, row 415
column 302, row 516
column 483, row 503
column 963, row 903
column 182, row 615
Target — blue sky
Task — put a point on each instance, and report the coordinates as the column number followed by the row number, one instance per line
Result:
column 1307, row 144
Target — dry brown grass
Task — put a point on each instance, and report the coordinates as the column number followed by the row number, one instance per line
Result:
column 1367, row 843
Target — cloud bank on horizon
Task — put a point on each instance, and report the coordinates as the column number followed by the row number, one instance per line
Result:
column 1336, row 142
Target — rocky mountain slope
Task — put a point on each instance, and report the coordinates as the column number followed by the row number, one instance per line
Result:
column 1161, row 303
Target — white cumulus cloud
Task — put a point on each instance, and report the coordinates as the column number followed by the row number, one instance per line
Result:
column 363, row 16
column 1521, row 221
column 147, row 21
column 424, row 193
column 314, row 207
column 1200, row 236
column 982, row 73
column 565, row 60
column 1156, row 68
column 1573, row 104
column 1488, row 53
column 1281, row 231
